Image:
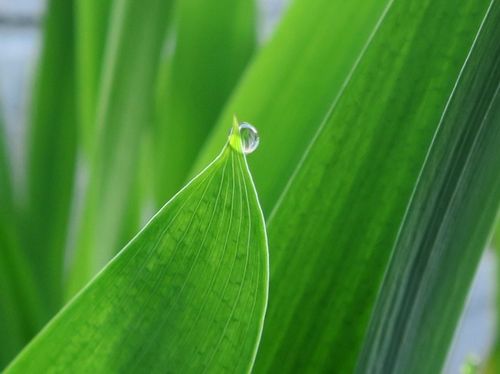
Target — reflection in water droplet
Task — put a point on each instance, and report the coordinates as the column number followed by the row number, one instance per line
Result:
column 249, row 138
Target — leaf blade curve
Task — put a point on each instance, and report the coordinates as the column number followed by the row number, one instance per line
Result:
column 188, row 293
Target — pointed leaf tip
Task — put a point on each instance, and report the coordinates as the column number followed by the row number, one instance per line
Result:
column 235, row 137
column 187, row 294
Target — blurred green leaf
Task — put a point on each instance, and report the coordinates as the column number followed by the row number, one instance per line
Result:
column 333, row 230
column 290, row 86
column 11, row 327
column 92, row 21
column 447, row 225
column 187, row 294
column 51, row 153
column 19, row 308
column 213, row 43
column 125, row 105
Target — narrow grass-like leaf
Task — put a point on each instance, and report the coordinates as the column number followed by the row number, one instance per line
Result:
column 52, row 152
column 354, row 185
column 19, row 311
column 447, row 225
column 125, row 99
column 187, row 294
column 289, row 88
column 214, row 41
column 11, row 327
column 92, row 20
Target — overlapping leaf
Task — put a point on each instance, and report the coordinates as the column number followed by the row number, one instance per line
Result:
column 447, row 224
column 332, row 233
column 92, row 22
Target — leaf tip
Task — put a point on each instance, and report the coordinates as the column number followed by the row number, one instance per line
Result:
column 235, row 140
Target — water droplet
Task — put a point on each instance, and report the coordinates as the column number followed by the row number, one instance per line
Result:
column 249, row 138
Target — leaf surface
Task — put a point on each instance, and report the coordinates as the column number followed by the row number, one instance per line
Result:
column 447, row 225
column 333, row 230
column 187, row 294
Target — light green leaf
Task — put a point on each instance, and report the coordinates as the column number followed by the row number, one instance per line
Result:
column 92, row 20
column 213, row 43
column 187, row 294
column 290, row 86
column 447, row 225
column 125, row 98
column 51, row 151
column 332, row 233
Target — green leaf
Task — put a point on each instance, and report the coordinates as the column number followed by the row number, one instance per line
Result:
column 125, row 106
column 213, row 43
column 92, row 19
column 187, row 294
column 52, row 153
column 332, row 233
column 11, row 326
column 20, row 313
column 290, row 86
column 492, row 365
column 447, row 225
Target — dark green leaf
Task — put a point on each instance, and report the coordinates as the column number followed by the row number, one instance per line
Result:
column 20, row 313
column 447, row 225
column 92, row 20
column 52, row 152
column 333, row 231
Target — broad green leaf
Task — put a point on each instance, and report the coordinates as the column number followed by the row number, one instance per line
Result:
column 332, row 233
column 19, row 311
column 125, row 104
column 290, row 86
column 447, row 225
column 92, row 19
column 51, row 153
column 187, row 294
column 213, row 43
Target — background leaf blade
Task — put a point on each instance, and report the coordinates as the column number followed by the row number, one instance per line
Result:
column 125, row 98
column 51, row 155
